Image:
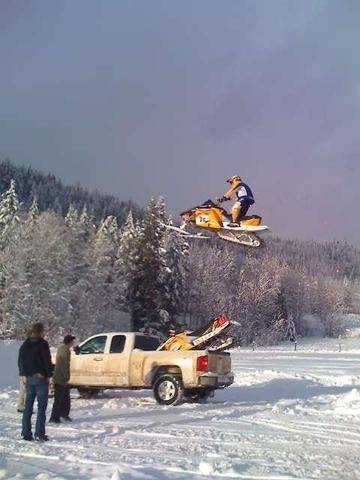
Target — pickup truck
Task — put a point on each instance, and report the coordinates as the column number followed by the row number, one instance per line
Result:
column 130, row 361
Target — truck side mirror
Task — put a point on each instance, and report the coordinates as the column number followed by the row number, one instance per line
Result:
column 77, row 349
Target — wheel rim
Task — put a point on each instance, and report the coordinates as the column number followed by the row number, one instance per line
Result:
column 166, row 390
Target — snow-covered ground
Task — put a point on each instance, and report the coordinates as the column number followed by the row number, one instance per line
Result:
column 290, row 414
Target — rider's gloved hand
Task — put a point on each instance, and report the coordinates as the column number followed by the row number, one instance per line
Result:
column 222, row 199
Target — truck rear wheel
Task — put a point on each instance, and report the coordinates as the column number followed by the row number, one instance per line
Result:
column 168, row 389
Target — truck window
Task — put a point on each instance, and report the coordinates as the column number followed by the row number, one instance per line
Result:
column 94, row 345
column 143, row 342
column 117, row 344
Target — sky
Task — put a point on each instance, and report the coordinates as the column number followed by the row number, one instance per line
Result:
column 170, row 97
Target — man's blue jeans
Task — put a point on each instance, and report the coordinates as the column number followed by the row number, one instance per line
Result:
column 36, row 387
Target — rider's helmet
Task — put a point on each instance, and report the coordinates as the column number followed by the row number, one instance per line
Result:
column 235, row 179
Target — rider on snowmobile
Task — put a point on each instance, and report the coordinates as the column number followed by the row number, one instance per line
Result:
column 244, row 198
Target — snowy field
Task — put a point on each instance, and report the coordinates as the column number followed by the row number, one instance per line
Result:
column 288, row 415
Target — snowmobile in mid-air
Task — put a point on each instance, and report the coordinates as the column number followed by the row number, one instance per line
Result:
column 213, row 218
column 211, row 337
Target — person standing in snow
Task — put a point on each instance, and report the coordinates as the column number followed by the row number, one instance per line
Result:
column 61, row 377
column 244, row 198
column 35, row 364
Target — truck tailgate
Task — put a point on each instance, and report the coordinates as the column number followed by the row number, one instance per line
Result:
column 219, row 363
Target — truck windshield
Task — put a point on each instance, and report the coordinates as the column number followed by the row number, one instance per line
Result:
column 142, row 342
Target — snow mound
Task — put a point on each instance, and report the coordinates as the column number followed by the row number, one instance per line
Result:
column 348, row 403
column 340, row 381
column 345, row 404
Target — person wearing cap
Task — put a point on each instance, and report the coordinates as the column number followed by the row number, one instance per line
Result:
column 61, row 377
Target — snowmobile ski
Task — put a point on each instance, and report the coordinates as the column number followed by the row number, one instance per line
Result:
column 244, row 228
column 248, row 239
column 184, row 232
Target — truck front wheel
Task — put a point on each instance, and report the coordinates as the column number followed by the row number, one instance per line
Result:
column 168, row 389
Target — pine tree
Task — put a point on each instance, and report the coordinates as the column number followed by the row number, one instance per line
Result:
column 149, row 285
column 38, row 277
column 86, row 224
column 105, row 290
column 72, row 217
column 126, row 264
column 86, row 218
column 177, row 250
column 108, row 230
column 9, row 208
column 34, row 212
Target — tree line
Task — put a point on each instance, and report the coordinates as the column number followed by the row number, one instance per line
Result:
column 84, row 276
column 52, row 194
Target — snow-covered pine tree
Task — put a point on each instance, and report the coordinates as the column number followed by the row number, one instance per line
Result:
column 86, row 225
column 33, row 212
column 38, row 278
column 9, row 207
column 126, row 263
column 177, row 251
column 108, row 230
column 212, row 280
column 149, row 286
column 106, row 291
column 82, row 274
column 72, row 217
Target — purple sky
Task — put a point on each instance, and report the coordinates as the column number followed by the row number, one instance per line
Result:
column 141, row 98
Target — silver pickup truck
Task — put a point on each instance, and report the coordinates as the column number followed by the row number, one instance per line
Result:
column 130, row 361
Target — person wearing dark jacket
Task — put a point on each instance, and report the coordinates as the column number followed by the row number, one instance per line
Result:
column 61, row 377
column 35, row 364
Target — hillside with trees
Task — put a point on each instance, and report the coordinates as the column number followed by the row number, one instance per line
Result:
column 77, row 274
column 52, row 194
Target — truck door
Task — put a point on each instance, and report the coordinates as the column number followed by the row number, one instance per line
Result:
column 87, row 365
column 117, row 363
column 142, row 346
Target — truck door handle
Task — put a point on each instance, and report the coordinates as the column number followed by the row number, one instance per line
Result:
column 98, row 359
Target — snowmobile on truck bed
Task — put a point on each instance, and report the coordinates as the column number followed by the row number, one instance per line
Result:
column 213, row 218
column 211, row 336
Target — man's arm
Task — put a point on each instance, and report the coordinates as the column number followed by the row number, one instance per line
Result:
column 46, row 359
column 67, row 365
column 20, row 362
column 229, row 193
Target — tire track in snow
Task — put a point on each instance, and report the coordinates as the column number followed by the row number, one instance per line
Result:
column 289, row 428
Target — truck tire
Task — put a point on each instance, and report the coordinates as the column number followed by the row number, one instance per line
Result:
column 199, row 395
column 88, row 392
column 168, row 389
